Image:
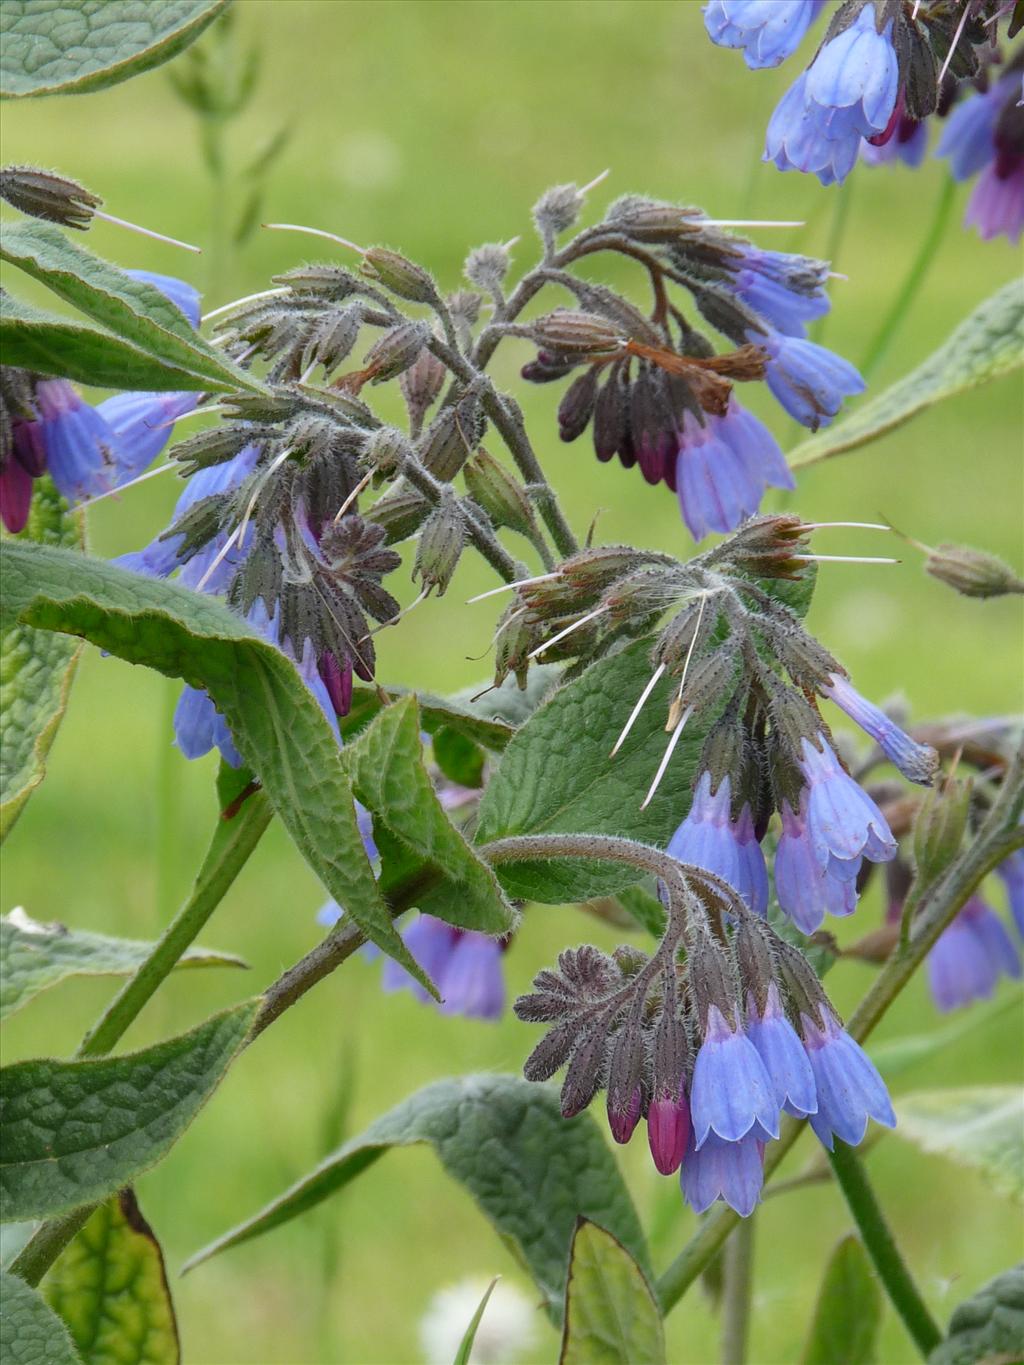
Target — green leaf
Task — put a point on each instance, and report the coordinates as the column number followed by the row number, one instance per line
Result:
column 36, row 669
column 388, row 776
column 280, row 730
column 508, row 702
column 50, row 344
column 459, row 759
column 75, row 46
column 31, row 1333
column 611, row 1317
column 74, row 1132
column 980, row 1126
column 435, row 712
column 989, row 1326
column 848, row 1313
column 641, row 902
column 110, row 1287
column 532, row 1172
column 465, row 1351
column 556, row 777
column 900, row 1054
column 986, row 345
column 35, row 956
column 133, row 310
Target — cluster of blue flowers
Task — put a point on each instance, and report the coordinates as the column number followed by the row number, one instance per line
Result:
column 88, row 451
column 984, row 137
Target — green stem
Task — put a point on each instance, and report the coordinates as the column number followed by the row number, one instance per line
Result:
column 915, row 277
column 881, row 1247
column 998, row 837
column 834, row 245
column 227, row 855
column 738, row 1287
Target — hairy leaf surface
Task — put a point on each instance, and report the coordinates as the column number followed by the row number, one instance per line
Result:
column 980, row 1126
column 987, row 1327
column 611, row 1316
column 31, row 1333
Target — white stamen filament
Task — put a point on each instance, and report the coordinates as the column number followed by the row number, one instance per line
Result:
column 917, row 6
column 748, row 223
column 567, row 631
column 305, row 377
column 670, row 749
column 393, row 620
column 844, row 559
column 693, row 641
column 513, row 241
column 510, row 587
column 836, row 525
column 597, row 180
column 352, row 496
column 147, row 232
column 198, row 411
column 249, row 298
column 315, row 232
column 506, row 623
column 121, row 488
column 956, row 39
column 651, row 685
column 837, row 275
column 238, row 534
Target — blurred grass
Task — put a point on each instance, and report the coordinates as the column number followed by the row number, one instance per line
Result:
column 433, row 127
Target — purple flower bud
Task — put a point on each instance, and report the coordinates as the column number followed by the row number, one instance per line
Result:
column 849, row 1088
column 723, row 467
column 668, row 1131
column 843, row 823
column 767, row 31
column 730, row 1171
column 908, row 143
column 970, row 956
column 709, row 838
column 917, row 762
column 731, row 1090
column 15, row 494
column 805, row 890
column 623, row 1121
column 807, row 380
column 782, row 1053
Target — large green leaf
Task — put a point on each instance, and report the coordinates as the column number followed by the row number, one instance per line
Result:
column 556, row 777
column 133, row 310
column 74, row 1132
column 50, row 344
column 900, row 1054
column 31, row 1333
column 36, row 669
column 280, row 730
column 848, row 1314
column 532, row 1172
column 388, row 776
column 611, row 1316
column 436, row 713
column 34, row 956
column 64, row 47
column 988, row 1327
column 110, row 1287
column 980, row 1126
column 986, row 345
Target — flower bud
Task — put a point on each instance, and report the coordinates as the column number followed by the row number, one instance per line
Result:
column 712, row 978
column 939, row 827
column 54, row 198
column 487, row 266
column 577, row 333
column 577, row 405
column 453, row 433
column 420, row 384
column 502, row 498
column 332, row 338
column 557, row 210
column 647, row 220
column 386, row 450
column 396, row 350
column 401, row 276
column 441, row 543
column 332, row 282
column 973, row 573
column 401, row 513
column 625, row 1074
column 514, row 639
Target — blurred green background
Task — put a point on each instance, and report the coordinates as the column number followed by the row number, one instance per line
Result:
column 433, row 127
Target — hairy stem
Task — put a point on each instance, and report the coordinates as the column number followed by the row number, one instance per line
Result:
column 222, row 864
column 999, row 835
column 737, row 1289
column 881, row 1247
column 915, row 277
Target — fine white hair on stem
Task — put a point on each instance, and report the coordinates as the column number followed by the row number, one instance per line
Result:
column 146, row 232
column 641, row 702
column 666, row 756
column 240, row 303
column 567, row 631
column 113, row 492
column 511, row 587
column 315, row 232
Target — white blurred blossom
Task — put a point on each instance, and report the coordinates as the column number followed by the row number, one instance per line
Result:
column 505, row 1333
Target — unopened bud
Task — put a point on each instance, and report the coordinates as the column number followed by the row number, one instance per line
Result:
column 557, row 210
column 502, row 498
column 396, row 350
column 447, row 442
column 712, row 978
column 973, row 573
column 420, row 384
column 401, row 276
column 576, row 333
column 487, row 266
column 42, row 194
column 514, row 640
column 332, row 282
column 647, row 220
column 706, row 682
column 332, row 339
column 386, row 450
column 939, row 827
column 401, row 513
column 441, row 543
column 577, row 405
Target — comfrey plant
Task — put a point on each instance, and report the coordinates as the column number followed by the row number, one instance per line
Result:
column 656, row 746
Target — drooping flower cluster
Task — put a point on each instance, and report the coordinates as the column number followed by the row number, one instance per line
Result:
column 652, row 389
column 743, row 667
column 882, row 68
column 47, row 428
column 984, row 137
column 710, row 1051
